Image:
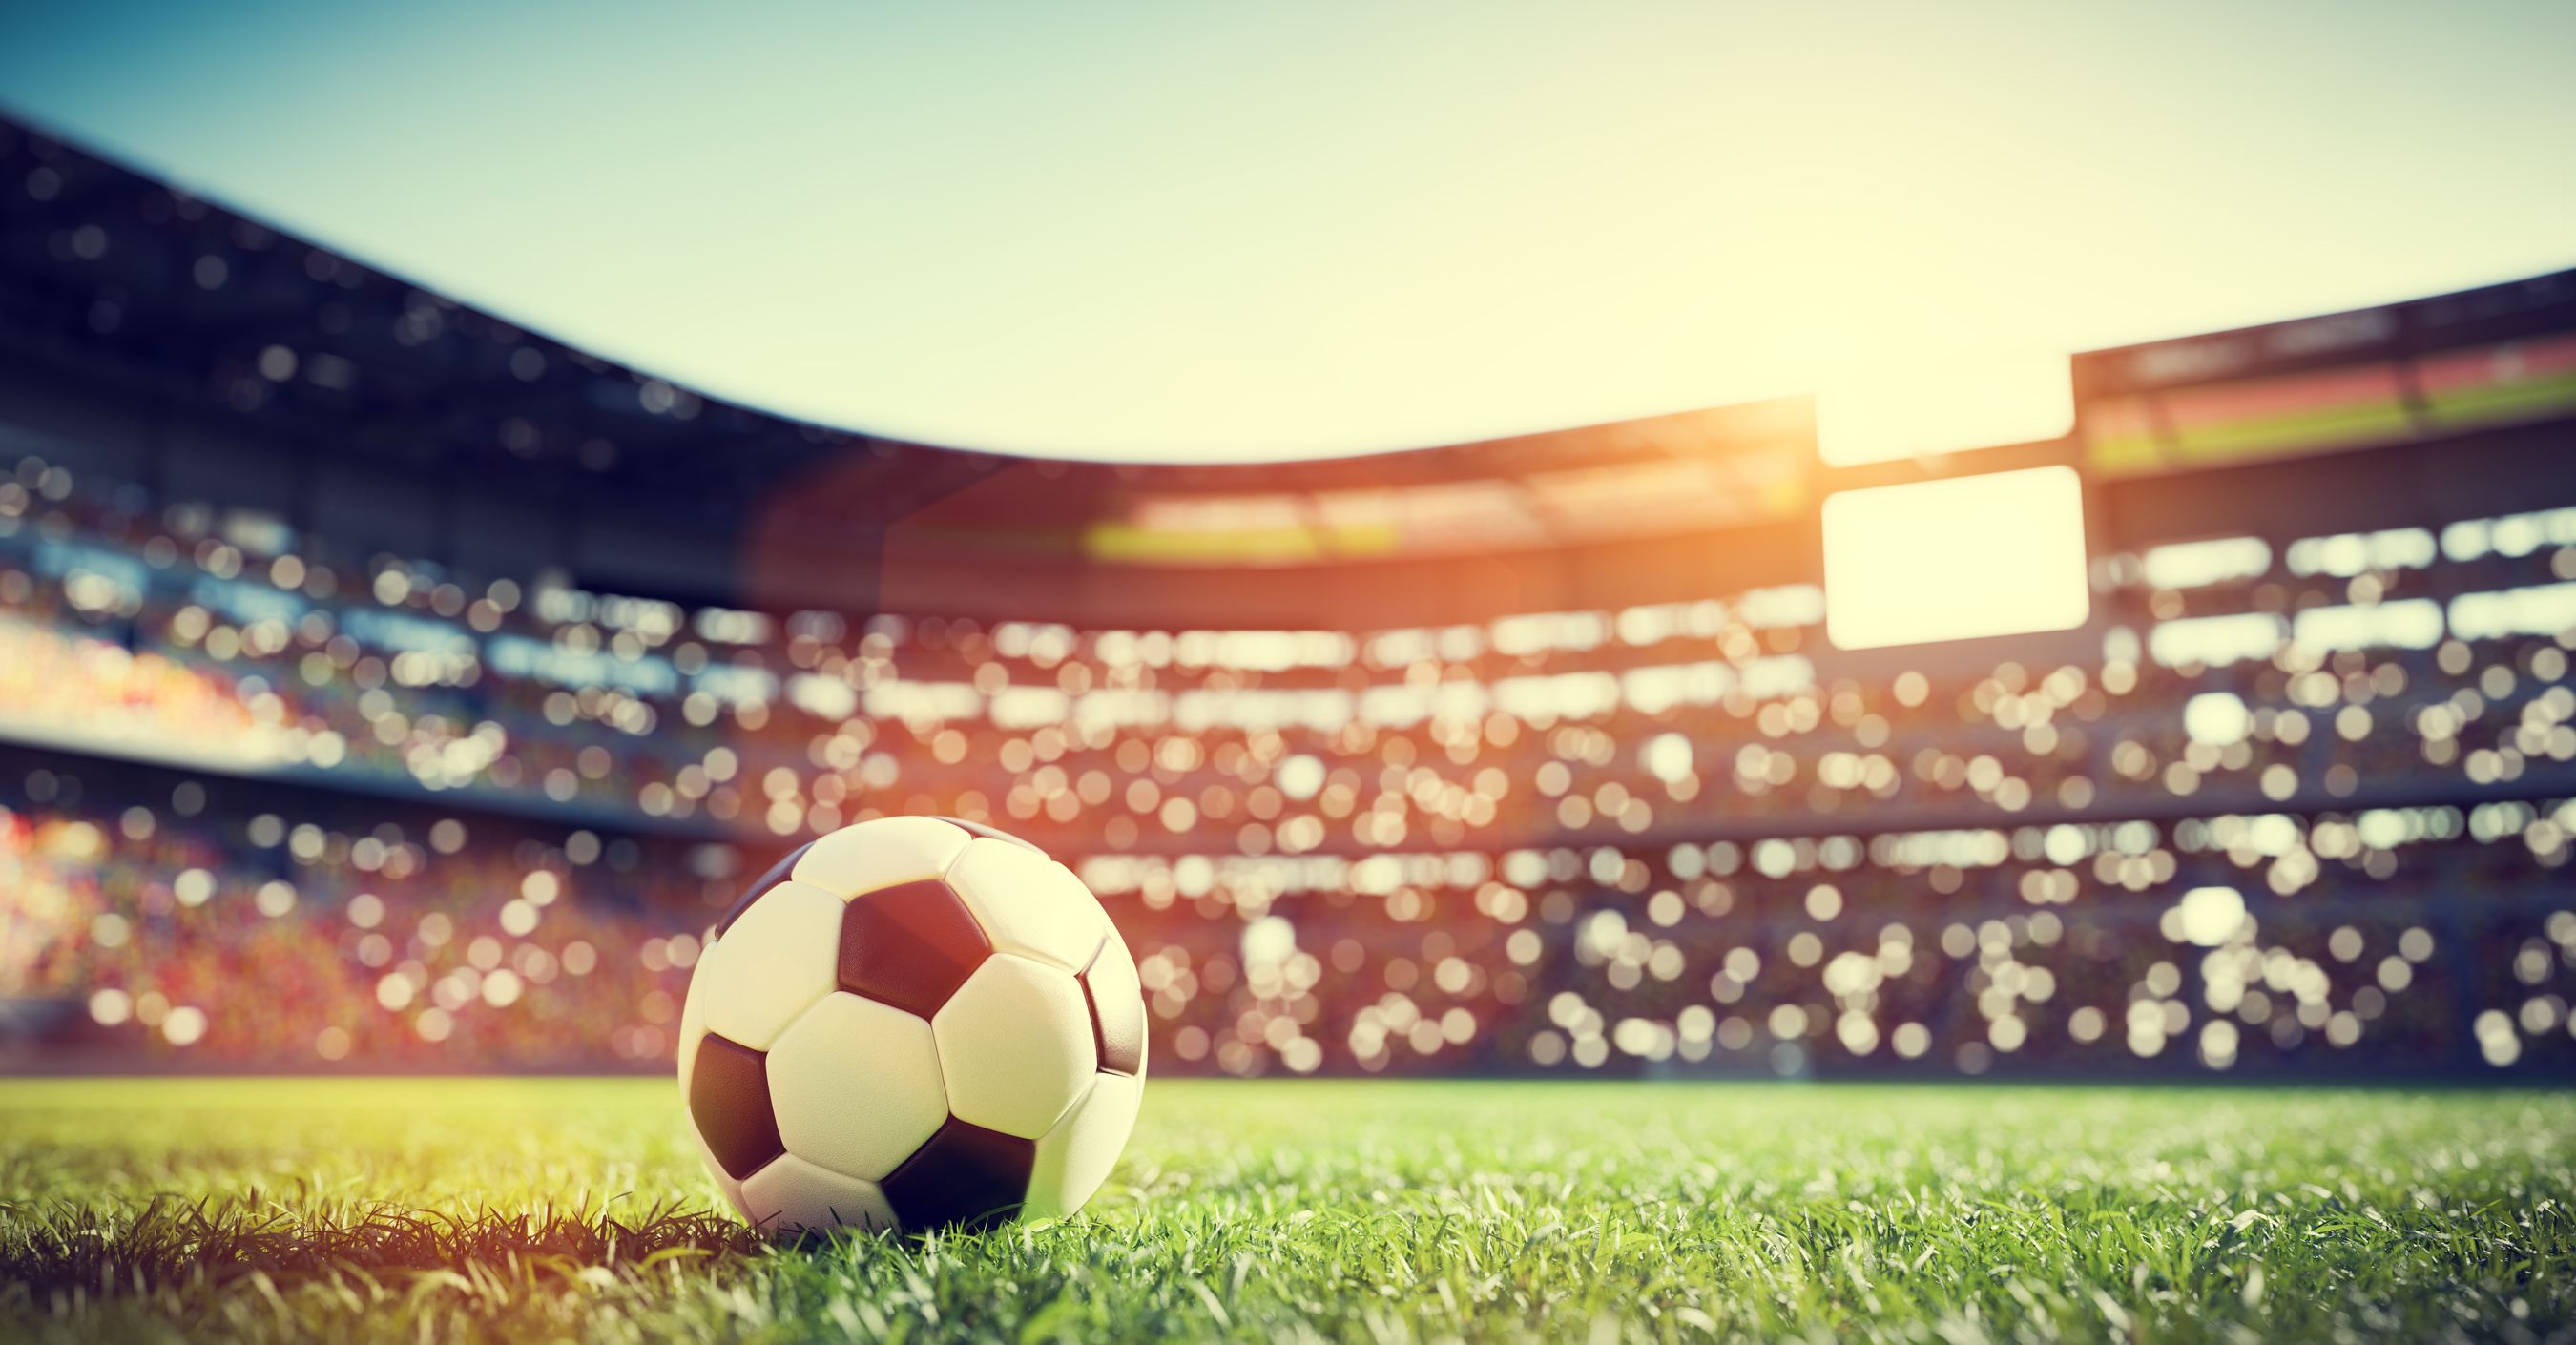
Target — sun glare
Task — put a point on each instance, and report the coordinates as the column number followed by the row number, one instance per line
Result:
column 1944, row 403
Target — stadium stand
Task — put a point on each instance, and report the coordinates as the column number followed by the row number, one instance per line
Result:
column 383, row 687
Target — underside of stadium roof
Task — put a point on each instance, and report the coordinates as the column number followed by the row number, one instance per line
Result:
column 152, row 338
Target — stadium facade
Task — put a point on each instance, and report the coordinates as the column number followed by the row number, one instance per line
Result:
column 383, row 684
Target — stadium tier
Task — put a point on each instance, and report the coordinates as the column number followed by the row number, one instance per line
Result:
column 382, row 686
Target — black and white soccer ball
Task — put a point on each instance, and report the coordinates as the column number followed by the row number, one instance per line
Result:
column 913, row 1023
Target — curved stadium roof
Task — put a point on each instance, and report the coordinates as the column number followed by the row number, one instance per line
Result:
column 154, row 339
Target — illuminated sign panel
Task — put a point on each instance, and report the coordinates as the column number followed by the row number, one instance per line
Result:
column 2332, row 410
column 2480, row 359
column 2500, row 384
column 1659, row 477
column 1954, row 559
column 1209, row 530
column 2279, row 417
column 1456, row 518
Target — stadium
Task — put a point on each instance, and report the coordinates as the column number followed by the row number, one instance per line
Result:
column 1523, row 756
column 388, row 690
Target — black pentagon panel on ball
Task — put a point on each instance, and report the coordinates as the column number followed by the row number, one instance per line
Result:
column 1117, row 1002
column 963, row 1177
column 992, row 833
column 760, row 886
column 729, row 1099
column 910, row 945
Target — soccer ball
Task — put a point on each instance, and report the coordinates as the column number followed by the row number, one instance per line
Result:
column 912, row 1023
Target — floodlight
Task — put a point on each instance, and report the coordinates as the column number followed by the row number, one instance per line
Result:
column 2217, row 718
column 2215, row 561
column 2211, row 915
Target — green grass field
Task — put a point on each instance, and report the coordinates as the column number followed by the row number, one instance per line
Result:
column 1374, row 1212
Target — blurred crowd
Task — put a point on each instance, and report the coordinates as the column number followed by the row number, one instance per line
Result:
column 192, row 934
column 2298, row 810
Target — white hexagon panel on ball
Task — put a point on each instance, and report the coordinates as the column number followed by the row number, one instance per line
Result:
column 856, row 1086
column 1076, row 1156
column 881, row 853
column 1028, row 903
column 1015, row 1045
column 791, row 1195
column 771, row 965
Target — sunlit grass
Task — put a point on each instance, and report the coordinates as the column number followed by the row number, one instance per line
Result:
column 1369, row 1212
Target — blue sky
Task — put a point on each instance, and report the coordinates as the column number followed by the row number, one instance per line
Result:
column 1144, row 230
